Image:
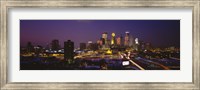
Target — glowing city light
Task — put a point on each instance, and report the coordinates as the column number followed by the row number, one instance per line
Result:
column 113, row 34
column 136, row 41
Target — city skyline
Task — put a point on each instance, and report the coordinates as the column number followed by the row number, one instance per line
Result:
column 42, row 32
column 99, row 44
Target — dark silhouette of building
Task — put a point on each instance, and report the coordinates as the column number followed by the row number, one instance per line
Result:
column 141, row 45
column 103, row 41
column 82, row 46
column 29, row 47
column 94, row 46
column 148, row 46
column 55, row 45
column 121, row 41
column 38, row 50
column 69, row 50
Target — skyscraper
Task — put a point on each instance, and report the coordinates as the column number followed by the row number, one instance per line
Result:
column 55, row 44
column 69, row 50
column 89, row 45
column 131, row 41
column 94, row 46
column 105, row 37
column 29, row 47
column 137, row 44
column 113, row 39
column 126, row 39
column 102, row 41
column 82, row 46
column 121, row 41
column 148, row 46
column 105, row 40
column 118, row 41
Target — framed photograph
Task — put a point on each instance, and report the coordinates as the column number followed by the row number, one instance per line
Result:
column 103, row 44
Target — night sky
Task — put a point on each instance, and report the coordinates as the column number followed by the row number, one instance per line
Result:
column 160, row 33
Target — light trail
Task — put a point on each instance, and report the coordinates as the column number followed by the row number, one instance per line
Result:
column 136, row 64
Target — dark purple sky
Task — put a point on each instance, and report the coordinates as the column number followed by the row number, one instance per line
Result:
column 161, row 33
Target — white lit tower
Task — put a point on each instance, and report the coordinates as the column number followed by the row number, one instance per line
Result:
column 137, row 44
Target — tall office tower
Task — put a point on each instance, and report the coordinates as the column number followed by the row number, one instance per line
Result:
column 29, row 47
column 69, row 50
column 99, row 42
column 122, row 40
column 136, row 44
column 148, row 46
column 126, row 39
column 142, row 45
column 105, row 37
column 131, row 41
column 47, row 47
column 89, row 45
column 113, row 39
column 118, row 41
column 94, row 46
column 102, row 41
column 82, row 46
column 55, row 45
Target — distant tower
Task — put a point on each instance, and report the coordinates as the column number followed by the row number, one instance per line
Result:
column 126, row 39
column 69, row 50
column 131, row 41
column 105, row 40
column 105, row 37
column 118, row 41
column 148, row 46
column 113, row 39
column 29, row 47
column 82, row 46
column 136, row 44
column 102, row 41
column 121, row 41
column 89, row 45
column 55, row 45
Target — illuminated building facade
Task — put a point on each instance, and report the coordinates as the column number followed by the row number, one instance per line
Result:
column 89, row 45
column 105, row 37
column 126, row 39
column 131, row 41
column 102, row 41
column 105, row 40
column 113, row 39
column 136, row 44
column 118, row 40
